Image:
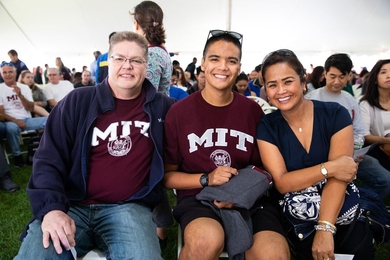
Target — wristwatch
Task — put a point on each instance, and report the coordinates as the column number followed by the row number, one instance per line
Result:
column 204, row 180
column 324, row 171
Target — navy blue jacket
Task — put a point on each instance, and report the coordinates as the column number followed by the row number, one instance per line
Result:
column 60, row 166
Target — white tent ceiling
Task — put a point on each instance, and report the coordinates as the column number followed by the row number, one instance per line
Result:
column 41, row 30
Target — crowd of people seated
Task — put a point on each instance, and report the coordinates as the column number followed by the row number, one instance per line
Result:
column 114, row 143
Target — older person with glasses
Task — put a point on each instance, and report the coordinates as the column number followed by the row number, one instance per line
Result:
column 210, row 135
column 16, row 104
column 98, row 169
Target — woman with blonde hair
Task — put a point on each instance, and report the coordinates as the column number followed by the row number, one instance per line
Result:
column 40, row 103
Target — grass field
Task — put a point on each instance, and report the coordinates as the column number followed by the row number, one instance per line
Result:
column 15, row 213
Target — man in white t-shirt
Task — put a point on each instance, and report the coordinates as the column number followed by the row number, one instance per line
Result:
column 16, row 103
column 57, row 89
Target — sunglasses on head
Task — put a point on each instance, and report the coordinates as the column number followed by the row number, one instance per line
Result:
column 9, row 64
column 281, row 52
column 215, row 33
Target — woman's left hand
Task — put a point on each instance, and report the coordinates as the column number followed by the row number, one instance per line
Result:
column 323, row 245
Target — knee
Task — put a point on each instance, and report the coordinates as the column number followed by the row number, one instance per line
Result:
column 12, row 128
column 204, row 240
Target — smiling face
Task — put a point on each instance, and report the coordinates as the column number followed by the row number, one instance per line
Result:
column 284, row 87
column 126, row 79
column 221, row 65
column 9, row 75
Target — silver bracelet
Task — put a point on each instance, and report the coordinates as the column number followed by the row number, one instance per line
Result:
column 325, row 228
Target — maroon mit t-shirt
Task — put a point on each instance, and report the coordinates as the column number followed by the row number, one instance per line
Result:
column 121, row 153
column 200, row 137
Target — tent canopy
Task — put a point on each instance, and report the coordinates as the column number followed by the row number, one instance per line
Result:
column 42, row 30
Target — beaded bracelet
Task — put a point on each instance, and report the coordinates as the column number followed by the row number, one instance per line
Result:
column 325, row 228
column 327, row 223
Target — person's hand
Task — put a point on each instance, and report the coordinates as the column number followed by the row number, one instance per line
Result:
column 223, row 204
column 323, row 245
column 20, row 123
column 60, row 228
column 359, row 159
column 16, row 90
column 221, row 175
column 346, row 168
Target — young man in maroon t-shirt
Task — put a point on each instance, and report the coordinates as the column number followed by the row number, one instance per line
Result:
column 209, row 136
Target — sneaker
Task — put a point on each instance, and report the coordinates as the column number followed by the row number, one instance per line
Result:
column 7, row 184
column 18, row 161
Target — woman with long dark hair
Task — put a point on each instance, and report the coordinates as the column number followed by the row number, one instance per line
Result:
column 375, row 110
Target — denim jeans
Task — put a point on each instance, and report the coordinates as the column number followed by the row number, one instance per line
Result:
column 121, row 231
column 13, row 131
column 2, row 131
column 374, row 176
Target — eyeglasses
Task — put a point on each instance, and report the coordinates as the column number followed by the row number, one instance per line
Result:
column 9, row 64
column 122, row 60
column 281, row 52
column 215, row 33
column 49, row 75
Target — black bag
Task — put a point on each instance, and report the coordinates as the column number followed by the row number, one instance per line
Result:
column 32, row 147
column 374, row 213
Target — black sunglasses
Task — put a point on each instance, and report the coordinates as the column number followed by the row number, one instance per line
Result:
column 215, row 33
column 281, row 52
column 9, row 64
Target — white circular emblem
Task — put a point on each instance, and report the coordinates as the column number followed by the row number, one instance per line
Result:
column 119, row 147
column 221, row 158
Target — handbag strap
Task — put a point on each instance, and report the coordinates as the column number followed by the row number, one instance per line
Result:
column 352, row 226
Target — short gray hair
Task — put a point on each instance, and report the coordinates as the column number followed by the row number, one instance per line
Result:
column 55, row 69
column 131, row 37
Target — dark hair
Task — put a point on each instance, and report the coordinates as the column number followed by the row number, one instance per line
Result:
column 372, row 93
column 222, row 37
column 242, row 76
column 111, row 34
column 13, row 53
column 284, row 56
column 149, row 16
column 258, row 67
column 175, row 73
column 363, row 72
column 175, row 62
column 340, row 61
column 182, row 79
column 315, row 76
column 198, row 70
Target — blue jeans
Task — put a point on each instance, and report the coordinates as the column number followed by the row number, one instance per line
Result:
column 2, row 131
column 374, row 176
column 121, row 231
column 13, row 131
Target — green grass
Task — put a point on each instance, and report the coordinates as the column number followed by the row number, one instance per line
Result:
column 15, row 213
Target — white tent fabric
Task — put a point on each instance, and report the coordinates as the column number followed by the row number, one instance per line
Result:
column 41, row 30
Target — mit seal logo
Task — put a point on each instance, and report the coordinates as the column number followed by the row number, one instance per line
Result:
column 221, row 158
column 119, row 147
